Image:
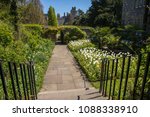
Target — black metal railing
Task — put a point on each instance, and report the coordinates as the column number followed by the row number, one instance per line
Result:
column 126, row 77
column 17, row 81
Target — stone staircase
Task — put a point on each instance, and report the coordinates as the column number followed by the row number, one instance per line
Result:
column 64, row 80
column 73, row 94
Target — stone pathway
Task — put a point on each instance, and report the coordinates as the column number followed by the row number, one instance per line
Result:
column 63, row 79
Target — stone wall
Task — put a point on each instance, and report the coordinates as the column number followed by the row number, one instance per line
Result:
column 133, row 12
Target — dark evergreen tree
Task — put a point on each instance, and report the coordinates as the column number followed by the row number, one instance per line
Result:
column 101, row 13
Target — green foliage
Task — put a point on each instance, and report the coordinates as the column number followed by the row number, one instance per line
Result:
column 102, row 13
column 6, row 34
column 32, row 13
column 50, row 32
column 148, row 48
column 52, row 19
column 128, row 38
column 79, row 44
column 4, row 14
column 132, row 33
column 110, row 40
column 105, row 37
column 73, row 33
column 101, row 32
column 132, row 37
column 34, row 28
column 90, row 60
column 89, row 30
column 30, row 47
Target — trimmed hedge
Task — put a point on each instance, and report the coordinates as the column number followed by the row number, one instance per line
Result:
column 72, row 33
column 34, row 28
column 50, row 32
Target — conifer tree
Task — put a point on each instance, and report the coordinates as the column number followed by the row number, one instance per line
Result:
column 55, row 18
column 52, row 19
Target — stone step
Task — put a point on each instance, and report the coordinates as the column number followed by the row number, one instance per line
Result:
column 74, row 94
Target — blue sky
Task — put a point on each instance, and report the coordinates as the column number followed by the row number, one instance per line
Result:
column 62, row 6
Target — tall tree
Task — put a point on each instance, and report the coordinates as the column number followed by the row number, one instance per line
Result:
column 102, row 13
column 117, row 9
column 52, row 19
column 55, row 18
column 14, row 14
column 32, row 12
column 12, row 5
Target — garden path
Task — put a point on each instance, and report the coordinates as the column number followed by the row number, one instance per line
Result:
column 64, row 79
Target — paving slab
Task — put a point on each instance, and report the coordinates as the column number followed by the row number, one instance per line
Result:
column 63, row 74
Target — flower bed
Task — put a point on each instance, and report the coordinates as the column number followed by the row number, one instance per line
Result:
column 76, row 45
column 91, row 60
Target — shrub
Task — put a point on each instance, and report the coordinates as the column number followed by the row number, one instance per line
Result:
column 16, row 51
column 105, row 37
column 100, row 33
column 111, row 40
column 6, row 34
column 89, row 30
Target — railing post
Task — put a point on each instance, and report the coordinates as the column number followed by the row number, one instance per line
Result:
column 127, row 75
column 3, row 81
column 34, row 81
column 17, row 81
column 121, row 78
column 114, row 84
column 101, row 77
column 25, row 79
column 23, row 82
column 137, row 75
column 29, row 77
column 12, row 80
column 145, row 75
column 112, row 74
column 107, row 77
column 105, row 68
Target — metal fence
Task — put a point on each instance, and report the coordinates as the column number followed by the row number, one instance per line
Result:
column 17, row 81
column 124, row 78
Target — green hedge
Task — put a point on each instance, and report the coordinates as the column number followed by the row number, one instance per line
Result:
column 50, row 32
column 34, row 28
column 72, row 33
